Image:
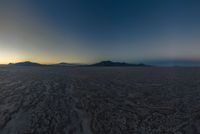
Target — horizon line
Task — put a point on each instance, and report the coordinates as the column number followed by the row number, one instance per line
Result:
column 159, row 62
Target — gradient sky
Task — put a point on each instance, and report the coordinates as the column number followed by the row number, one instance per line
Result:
column 86, row 31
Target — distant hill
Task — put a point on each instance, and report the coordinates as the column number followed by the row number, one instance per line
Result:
column 66, row 64
column 121, row 64
column 26, row 63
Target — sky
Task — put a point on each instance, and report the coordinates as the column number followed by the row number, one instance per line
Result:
column 88, row 31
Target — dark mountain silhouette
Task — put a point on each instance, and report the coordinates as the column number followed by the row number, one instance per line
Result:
column 26, row 63
column 121, row 64
column 66, row 64
column 29, row 63
column 63, row 64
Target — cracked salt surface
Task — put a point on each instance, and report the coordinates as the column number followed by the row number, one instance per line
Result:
column 89, row 100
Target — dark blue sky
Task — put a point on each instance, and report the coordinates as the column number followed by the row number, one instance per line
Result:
column 91, row 30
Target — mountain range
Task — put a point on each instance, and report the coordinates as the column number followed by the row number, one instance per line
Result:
column 63, row 64
column 120, row 64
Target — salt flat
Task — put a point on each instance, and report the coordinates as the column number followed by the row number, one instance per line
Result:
column 99, row 100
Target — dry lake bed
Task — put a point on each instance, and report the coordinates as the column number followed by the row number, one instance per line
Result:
column 99, row 100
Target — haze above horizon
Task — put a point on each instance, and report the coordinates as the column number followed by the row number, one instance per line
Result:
column 89, row 31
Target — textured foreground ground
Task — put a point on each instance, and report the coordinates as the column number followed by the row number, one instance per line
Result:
column 99, row 100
